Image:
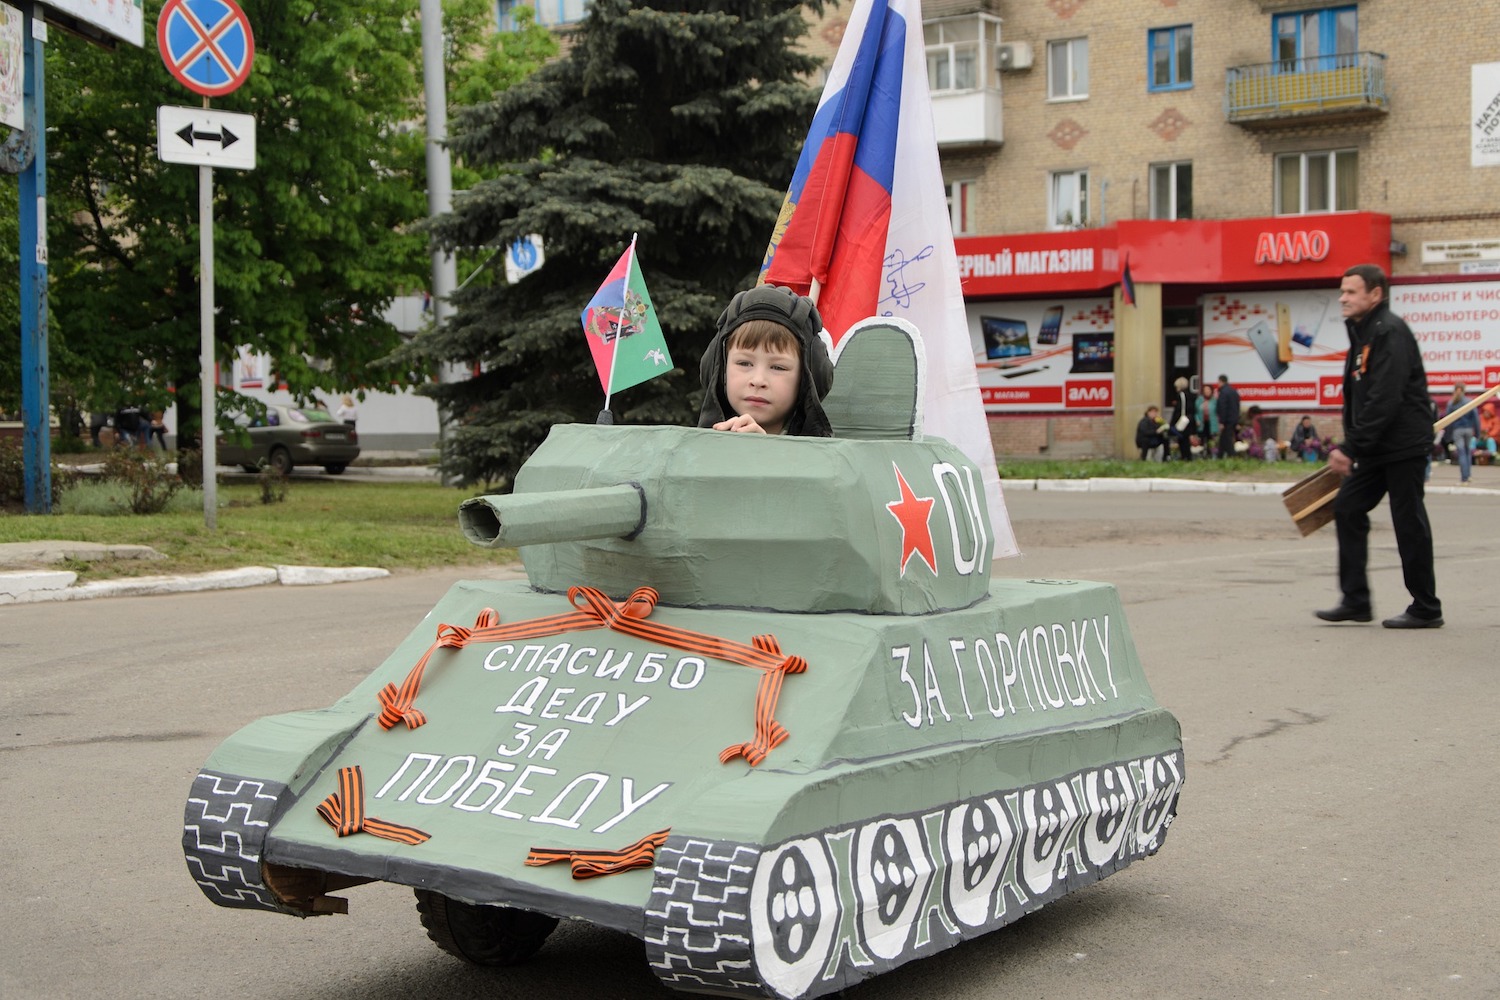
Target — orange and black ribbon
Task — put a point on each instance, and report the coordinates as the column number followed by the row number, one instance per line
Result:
column 596, row 610
column 768, row 732
column 344, row 810
column 591, row 864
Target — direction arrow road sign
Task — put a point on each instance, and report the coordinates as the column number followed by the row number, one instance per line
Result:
column 205, row 138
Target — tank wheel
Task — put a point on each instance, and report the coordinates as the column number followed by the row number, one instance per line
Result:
column 335, row 468
column 281, row 461
column 484, row 935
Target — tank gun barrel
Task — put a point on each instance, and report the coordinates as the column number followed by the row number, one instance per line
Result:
column 511, row 520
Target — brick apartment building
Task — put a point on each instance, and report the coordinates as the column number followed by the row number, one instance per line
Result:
column 1235, row 156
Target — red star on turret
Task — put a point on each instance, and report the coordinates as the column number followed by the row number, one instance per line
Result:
column 913, row 511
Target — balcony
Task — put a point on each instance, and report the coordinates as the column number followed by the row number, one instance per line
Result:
column 1318, row 90
column 963, row 64
column 967, row 119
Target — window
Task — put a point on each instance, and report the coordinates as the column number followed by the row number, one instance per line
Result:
column 504, row 14
column 1068, row 200
column 550, row 13
column 1068, row 69
column 1171, row 53
column 1315, row 39
column 953, row 59
column 960, row 206
column 1317, row 182
column 1172, row 190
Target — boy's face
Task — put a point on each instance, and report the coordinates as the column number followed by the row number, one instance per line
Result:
column 762, row 384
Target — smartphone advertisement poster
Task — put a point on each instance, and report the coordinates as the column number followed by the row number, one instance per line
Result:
column 1044, row 355
column 1286, row 350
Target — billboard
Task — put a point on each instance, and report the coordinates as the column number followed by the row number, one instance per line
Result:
column 12, row 68
column 122, row 19
column 1484, row 118
column 1285, row 350
column 1051, row 355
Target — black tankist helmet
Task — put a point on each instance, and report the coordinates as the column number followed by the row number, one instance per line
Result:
column 798, row 314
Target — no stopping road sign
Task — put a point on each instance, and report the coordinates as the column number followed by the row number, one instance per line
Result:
column 206, row 44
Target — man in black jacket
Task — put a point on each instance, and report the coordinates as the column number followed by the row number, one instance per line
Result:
column 1227, row 407
column 1387, row 437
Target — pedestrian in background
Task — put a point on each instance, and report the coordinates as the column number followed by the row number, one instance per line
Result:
column 98, row 421
column 1387, row 439
column 1227, row 408
column 1462, row 432
column 157, row 429
column 347, row 411
column 1148, row 435
column 128, row 425
column 1207, row 414
column 1182, row 427
column 1305, row 442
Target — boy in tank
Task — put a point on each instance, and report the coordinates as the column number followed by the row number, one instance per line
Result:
column 767, row 369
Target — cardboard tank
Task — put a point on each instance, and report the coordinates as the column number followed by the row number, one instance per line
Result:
column 759, row 703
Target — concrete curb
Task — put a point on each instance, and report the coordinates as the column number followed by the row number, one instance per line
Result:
column 15, row 586
column 31, row 587
column 1145, row 485
column 308, row 576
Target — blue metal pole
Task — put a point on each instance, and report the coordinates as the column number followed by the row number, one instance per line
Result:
column 35, row 407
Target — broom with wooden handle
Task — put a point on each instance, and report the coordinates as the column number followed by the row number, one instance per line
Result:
column 1309, row 500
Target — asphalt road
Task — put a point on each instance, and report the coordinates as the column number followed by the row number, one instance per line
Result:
column 1335, row 839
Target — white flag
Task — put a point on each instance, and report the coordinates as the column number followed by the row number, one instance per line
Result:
column 866, row 221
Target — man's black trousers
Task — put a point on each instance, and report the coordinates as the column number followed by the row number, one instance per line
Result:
column 1360, row 492
column 1227, row 436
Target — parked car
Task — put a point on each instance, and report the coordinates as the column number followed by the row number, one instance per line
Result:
column 289, row 436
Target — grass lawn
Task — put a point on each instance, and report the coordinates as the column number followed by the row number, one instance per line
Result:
column 1219, row 470
column 412, row 525
column 390, row 525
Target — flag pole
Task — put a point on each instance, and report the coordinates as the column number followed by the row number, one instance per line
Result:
column 620, row 323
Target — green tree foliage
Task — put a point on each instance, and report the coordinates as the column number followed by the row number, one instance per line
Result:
column 10, row 293
column 309, row 247
column 62, row 365
column 680, row 121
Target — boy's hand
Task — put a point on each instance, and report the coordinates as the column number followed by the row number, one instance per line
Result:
column 740, row 425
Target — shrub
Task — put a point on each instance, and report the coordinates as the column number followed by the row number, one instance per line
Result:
column 111, row 498
column 144, row 474
column 273, row 484
column 13, row 476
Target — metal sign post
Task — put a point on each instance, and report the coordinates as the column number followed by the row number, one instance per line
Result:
column 207, row 138
column 207, row 382
column 208, row 46
column 24, row 152
column 36, row 409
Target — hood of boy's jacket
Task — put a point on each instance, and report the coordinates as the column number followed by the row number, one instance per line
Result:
column 798, row 314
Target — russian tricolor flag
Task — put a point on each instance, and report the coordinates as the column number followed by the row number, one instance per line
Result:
column 837, row 214
column 866, row 231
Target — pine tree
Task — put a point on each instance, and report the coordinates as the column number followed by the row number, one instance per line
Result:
column 680, row 121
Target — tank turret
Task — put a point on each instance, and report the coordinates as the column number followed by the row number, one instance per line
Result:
column 743, row 520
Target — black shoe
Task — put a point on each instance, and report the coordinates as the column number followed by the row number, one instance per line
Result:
column 1344, row 613
column 1408, row 620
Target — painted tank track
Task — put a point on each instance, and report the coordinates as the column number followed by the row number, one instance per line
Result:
column 224, row 834
column 819, row 913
